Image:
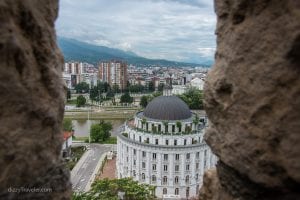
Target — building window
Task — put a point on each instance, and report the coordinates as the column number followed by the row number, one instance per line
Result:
column 197, row 165
column 165, row 180
column 140, row 138
column 187, row 167
column 173, row 128
column 188, row 156
column 177, row 157
column 134, row 151
column 176, row 179
column 143, row 176
column 165, row 168
column 153, row 178
column 197, row 155
column 177, row 191
column 175, row 142
column 187, row 192
column 187, row 179
column 133, row 136
column 156, row 141
column 154, row 156
column 127, row 149
column 154, row 167
column 167, row 142
column 127, row 159
column 159, row 128
column 134, row 174
column 184, row 141
column 134, row 162
column 143, row 165
column 176, row 168
column 165, row 191
column 144, row 154
column 197, row 177
column 165, row 156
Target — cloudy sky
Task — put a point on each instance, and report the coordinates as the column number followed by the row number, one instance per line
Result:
column 179, row 30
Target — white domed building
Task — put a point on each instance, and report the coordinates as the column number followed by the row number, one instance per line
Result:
column 163, row 146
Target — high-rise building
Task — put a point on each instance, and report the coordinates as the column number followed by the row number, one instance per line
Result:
column 114, row 73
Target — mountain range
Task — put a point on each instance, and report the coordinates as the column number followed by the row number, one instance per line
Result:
column 74, row 50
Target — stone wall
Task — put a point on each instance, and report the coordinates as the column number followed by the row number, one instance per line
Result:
column 31, row 103
column 252, row 98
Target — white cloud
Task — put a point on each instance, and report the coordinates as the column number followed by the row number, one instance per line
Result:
column 171, row 29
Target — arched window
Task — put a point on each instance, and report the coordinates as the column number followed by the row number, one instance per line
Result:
column 153, row 178
column 187, row 179
column 176, row 179
column 165, row 180
column 187, row 192
column 176, row 191
column 165, row 191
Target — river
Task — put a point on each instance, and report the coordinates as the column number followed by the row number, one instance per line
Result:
column 81, row 128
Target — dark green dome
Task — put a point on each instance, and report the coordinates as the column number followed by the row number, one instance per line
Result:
column 167, row 108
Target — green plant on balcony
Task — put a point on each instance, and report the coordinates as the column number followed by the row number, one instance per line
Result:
column 166, row 123
column 144, row 121
column 154, row 129
column 125, row 134
column 178, row 125
column 188, row 129
column 196, row 120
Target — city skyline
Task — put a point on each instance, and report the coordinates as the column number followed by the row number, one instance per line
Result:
column 176, row 30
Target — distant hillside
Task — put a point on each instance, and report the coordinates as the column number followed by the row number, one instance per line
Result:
column 80, row 51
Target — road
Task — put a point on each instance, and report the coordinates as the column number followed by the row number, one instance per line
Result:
column 85, row 169
column 118, row 130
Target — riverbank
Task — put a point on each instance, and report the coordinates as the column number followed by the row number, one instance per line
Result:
column 110, row 113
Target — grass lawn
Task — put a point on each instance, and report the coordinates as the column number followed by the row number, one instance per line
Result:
column 110, row 140
column 72, row 101
column 77, row 152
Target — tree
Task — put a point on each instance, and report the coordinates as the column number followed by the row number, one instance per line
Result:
column 80, row 101
column 193, row 98
column 68, row 94
column 108, row 189
column 151, row 87
column 67, row 125
column 82, row 87
column 179, row 125
column 106, row 87
column 136, row 88
column 110, row 94
column 144, row 101
column 100, row 132
column 161, row 87
column 126, row 98
column 116, row 88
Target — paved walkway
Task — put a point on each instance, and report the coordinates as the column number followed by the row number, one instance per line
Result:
column 109, row 170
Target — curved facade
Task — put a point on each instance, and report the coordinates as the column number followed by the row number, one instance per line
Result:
column 169, row 154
